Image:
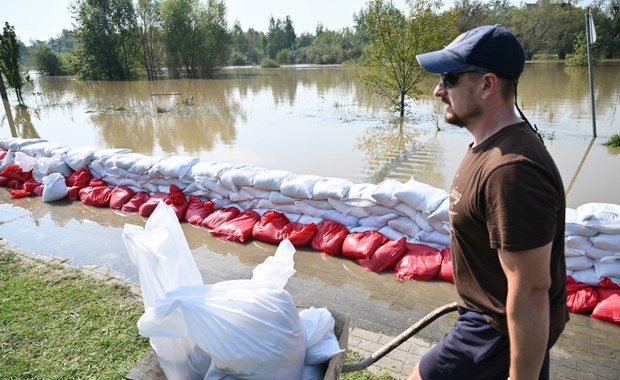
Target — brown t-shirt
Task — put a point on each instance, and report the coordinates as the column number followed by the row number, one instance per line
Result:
column 507, row 194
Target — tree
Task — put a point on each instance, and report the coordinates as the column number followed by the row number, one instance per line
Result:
column 151, row 39
column 281, row 35
column 107, row 34
column 9, row 61
column 471, row 14
column 390, row 68
column 580, row 57
column 46, row 60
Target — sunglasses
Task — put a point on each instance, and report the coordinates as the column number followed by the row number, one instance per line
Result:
column 449, row 80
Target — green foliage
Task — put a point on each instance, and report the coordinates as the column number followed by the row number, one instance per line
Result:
column 196, row 36
column 268, row 63
column 56, row 323
column 281, row 35
column 580, row 57
column 614, row 141
column 354, row 357
column 150, row 37
column 391, row 69
column 107, row 33
column 46, row 60
column 9, row 61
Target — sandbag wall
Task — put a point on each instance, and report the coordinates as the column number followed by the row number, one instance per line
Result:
column 402, row 227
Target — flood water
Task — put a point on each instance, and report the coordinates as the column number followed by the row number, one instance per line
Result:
column 307, row 120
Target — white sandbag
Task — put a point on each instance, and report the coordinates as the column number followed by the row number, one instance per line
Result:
column 256, row 193
column 161, row 254
column 421, row 196
column 216, row 187
column 40, row 149
column 345, row 220
column 54, row 188
column 573, row 252
column 377, row 221
column 25, row 161
column 125, row 160
column 423, row 223
column 384, row 193
column 406, row 210
column 405, row 225
column 299, row 186
column 319, row 204
column 439, row 226
column 391, row 233
column 307, row 219
column 240, row 195
column 104, row 154
column 434, row 237
column 335, row 188
column 597, row 253
column 379, row 210
column 321, row 341
column 608, row 267
column 48, row 165
column 175, row 166
column 343, row 208
column 360, row 194
column 442, row 212
column 574, row 226
column 143, row 165
column 277, row 198
column 610, row 242
column 587, row 276
column 579, row 262
column 361, row 229
column 17, row 143
column 249, row 204
column 577, row 241
column 78, row 158
column 271, row 180
column 240, row 175
column 602, row 217
column 209, row 169
column 293, row 217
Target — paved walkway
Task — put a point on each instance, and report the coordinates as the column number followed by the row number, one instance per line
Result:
column 381, row 307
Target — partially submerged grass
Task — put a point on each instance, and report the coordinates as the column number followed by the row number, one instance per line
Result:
column 57, row 323
column 614, row 141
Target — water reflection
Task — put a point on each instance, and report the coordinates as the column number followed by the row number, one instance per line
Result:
column 309, row 120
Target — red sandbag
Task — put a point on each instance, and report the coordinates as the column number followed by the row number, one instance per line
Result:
column 606, row 288
column 138, row 199
column 270, row 226
column 238, row 229
column 419, row 262
column 27, row 189
column 220, row 216
column 2, row 153
column 98, row 196
column 94, row 182
column 581, row 297
column 362, row 245
column 120, row 195
column 386, row 256
column 445, row 272
column 14, row 172
column 329, row 237
column 197, row 210
column 608, row 309
column 176, row 199
column 79, row 178
column 147, row 208
column 73, row 193
column 19, row 193
column 3, row 180
column 299, row 234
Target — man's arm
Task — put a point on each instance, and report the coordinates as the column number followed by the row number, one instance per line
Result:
column 527, row 308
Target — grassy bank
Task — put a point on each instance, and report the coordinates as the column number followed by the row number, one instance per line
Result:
column 59, row 323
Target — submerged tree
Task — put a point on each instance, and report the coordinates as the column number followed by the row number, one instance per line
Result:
column 390, row 68
column 9, row 61
column 151, row 39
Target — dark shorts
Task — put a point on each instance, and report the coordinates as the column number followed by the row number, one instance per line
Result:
column 473, row 349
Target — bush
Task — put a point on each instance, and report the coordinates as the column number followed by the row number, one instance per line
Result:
column 614, row 141
column 268, row 63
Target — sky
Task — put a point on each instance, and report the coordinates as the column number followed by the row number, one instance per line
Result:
column 45, row 19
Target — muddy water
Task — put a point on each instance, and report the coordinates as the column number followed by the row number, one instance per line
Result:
column 307, row 120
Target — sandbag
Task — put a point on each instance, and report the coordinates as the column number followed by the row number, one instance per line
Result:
column 606, row 287
column 608, row 310
column 386, row 256
column 98, row 196
column 54, row 188
column 220, row 216
column 270, row 226
column 362, row 245
column 238, row 229
column 119, row 196
column 581, row 297
column 138, row 199
column 197, row 210
column 176, row 199
column 15, row 173
column 299, row 234
column 329, row 237
column 419, row 262
column 147, row 208
column 445, row 272
column 79, row 178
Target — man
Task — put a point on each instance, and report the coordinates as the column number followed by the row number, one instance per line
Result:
column 507, row 209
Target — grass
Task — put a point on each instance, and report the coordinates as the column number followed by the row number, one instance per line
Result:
column 57, row 323
column 614, row 141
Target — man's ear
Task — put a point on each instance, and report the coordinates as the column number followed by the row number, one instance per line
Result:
column 490, row 85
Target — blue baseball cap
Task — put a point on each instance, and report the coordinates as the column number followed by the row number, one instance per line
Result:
column 490, row 47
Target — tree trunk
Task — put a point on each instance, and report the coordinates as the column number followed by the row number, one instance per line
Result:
column 402, row 105
column 3, row 89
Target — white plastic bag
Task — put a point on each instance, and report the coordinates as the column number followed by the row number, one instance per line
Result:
column 322, row 344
